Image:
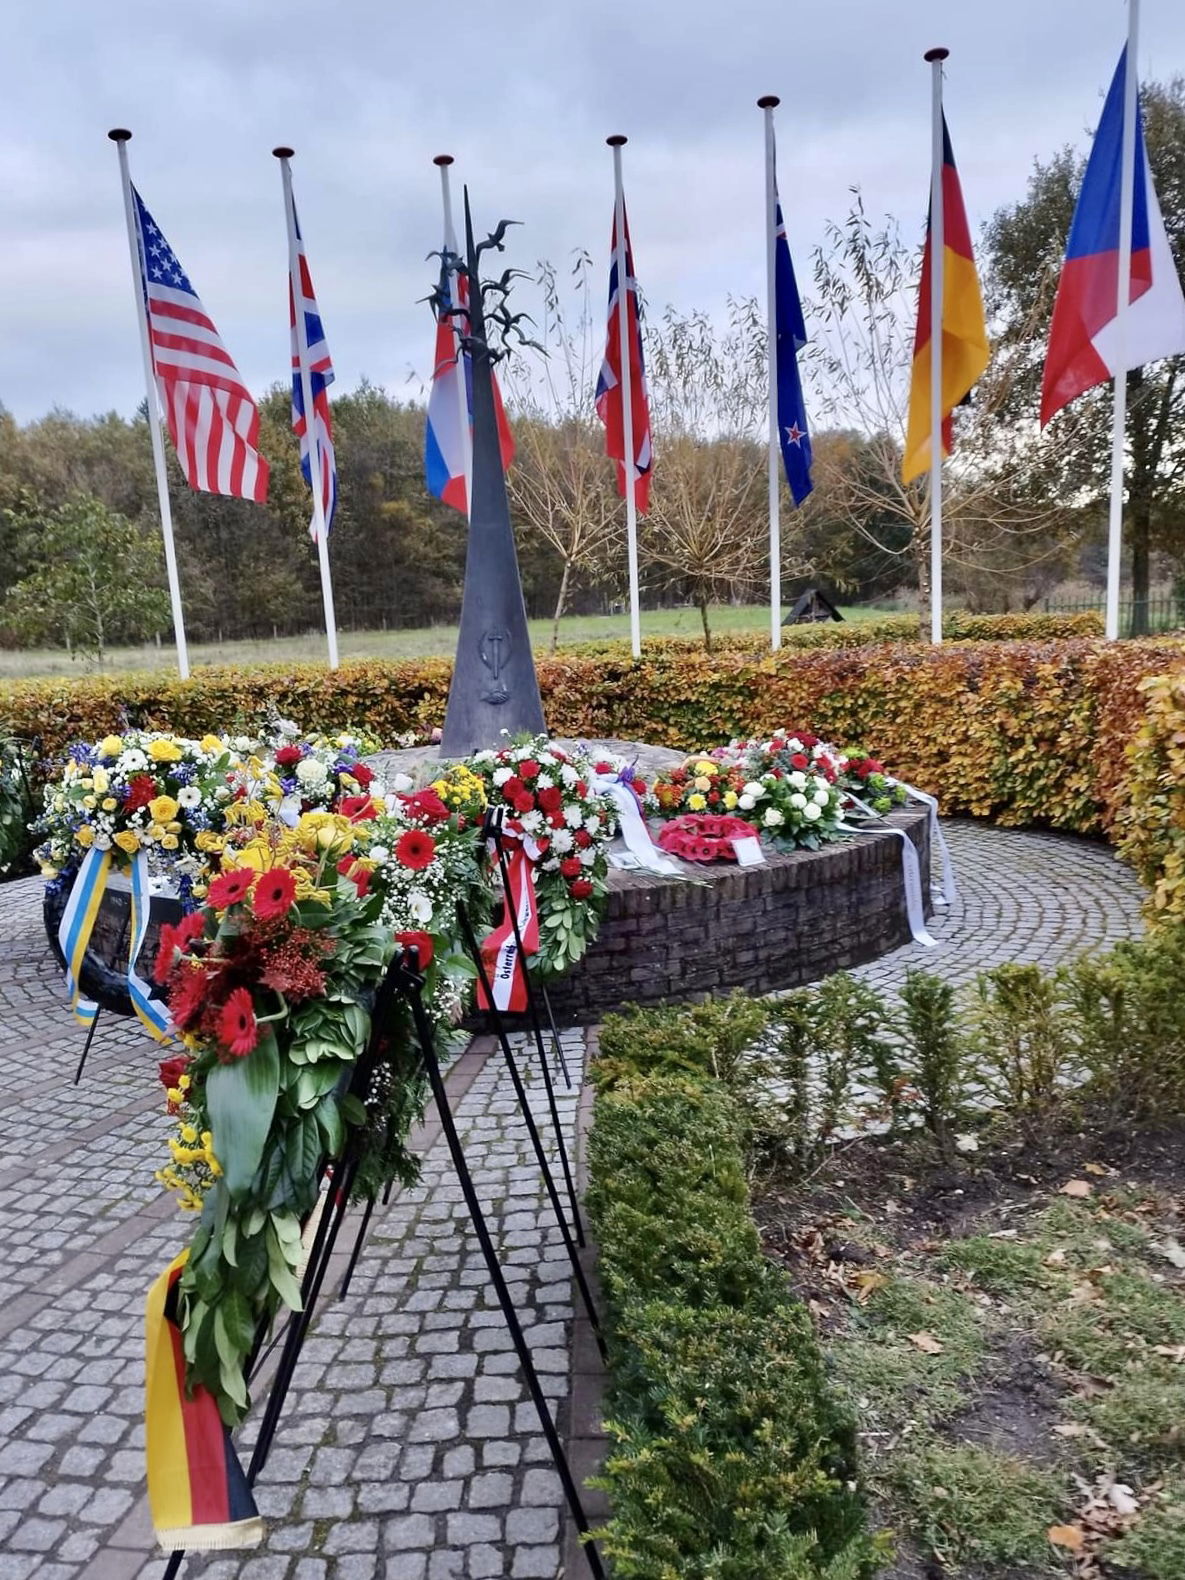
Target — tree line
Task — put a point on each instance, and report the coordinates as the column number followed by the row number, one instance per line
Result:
column 80, row 558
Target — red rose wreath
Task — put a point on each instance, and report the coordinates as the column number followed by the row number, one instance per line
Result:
column 703, row 836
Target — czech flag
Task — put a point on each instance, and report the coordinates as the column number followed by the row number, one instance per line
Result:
column 448, row 439
column 197, row 1491
column 1084, row 339
column 965, row 349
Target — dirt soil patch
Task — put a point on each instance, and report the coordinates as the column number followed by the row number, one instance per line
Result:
column 1009, row 1330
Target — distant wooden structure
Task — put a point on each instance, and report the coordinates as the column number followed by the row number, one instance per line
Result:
column 812, row 606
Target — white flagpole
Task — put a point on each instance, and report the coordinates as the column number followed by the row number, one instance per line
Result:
column 1123, row 293
column 120, row 137
column 627, row 397
column 937, row 248
column 443, row 161
column 306, row 389
column 769, row 104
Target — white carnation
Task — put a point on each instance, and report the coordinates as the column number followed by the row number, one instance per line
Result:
column 562, row 841
column 573, row 816
column 484, row 757
column 501, row 775
column 545, row 782
column 312, row 771
column 532, row 822
column 592, row 823
column 812, row 813
column 569, row 775
column 587, row 857
column 773, row 818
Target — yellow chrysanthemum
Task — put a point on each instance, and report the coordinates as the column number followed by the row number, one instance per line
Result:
column 705, row 766
column 189, row 1134
column 165, row 751
column 730, row 799
column 209, row 842
column 697, row 802
column 127, row 841
column 162, row 809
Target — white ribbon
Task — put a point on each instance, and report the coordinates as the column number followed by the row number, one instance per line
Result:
column 947, row 890
column 911, row 874
column 632, row 828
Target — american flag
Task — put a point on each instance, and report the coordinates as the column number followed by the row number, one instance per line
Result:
column 320, row 378
column 610, row 405
column 213, row 422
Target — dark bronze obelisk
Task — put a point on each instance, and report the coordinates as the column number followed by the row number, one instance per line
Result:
column 494, row 690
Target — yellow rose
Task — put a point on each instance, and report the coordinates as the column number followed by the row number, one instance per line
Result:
column 697, row 802
column 169, row 842
column 100, row 781
column 172, row 828
column 111, row 746
column 164, row 751
column 85, row 836
column 162, row 809
column 89, row 801
column 730, row 799
column 211, row 743
column 127, row 841
column 109, row 803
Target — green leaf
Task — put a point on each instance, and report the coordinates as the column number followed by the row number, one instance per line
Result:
column 241, row 1099
column 280, row 1273
column 353, row 1109
column 302, row 1148
column 330, row 1119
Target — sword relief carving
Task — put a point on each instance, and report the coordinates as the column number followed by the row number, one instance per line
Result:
column 494, row 650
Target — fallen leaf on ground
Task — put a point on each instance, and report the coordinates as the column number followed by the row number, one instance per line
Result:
column 1068, row 1536
column 927, row 1343
column 1055, row 1258
column 1098, row 1168
column 1077, row 1188
column 867, row 1284
column 1122, row 1499
column 1070, row 1429
column 1171, row 1249
column 1174, row 1352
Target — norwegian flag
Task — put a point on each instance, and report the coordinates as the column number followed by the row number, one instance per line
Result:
column 212, row 420
column 320, row 378
column 610, row 406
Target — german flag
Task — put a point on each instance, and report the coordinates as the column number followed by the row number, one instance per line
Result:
column 197, row 1491
column 965, row 349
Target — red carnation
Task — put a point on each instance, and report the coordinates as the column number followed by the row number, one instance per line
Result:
column 513, row 786
column 142, row 788
column 583, row 838
column 572, row 867
column 363, row 772
column 602, row 768
column 638, row 786
column 275, row 891
column 528, row 768
column 420, row 942
column 581, row 788
column 228, row 888
column 359, row 808
column 550, row 800
column 426, row 804
column 288, row 756
column 171, row 1070
column 714, row 796
column 800, row 761
column 581, row 889
column 524, row 803
column 415, row 849
column 237, row 1028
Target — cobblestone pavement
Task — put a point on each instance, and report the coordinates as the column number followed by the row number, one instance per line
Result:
column 1024, row 897
column 408, row 1449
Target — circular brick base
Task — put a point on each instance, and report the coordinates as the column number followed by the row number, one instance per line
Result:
column 758, row 928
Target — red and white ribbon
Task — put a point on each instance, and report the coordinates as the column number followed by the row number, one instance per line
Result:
column 504, row 968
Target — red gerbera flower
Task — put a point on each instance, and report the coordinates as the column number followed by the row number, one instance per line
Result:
column 288, row 756
column 228, row 888
column 358, row 808
column 426, row 804
column 420, row 942
column 142, row 788
column 415, row 849
column 581, row 889
column 351, row 867
column 188, row 992
column 275, row 891
column 238, row 1031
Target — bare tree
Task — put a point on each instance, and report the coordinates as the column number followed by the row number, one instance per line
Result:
column 1001, row 519
column 561, row 484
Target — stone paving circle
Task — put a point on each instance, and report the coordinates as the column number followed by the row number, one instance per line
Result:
column 409, row 1449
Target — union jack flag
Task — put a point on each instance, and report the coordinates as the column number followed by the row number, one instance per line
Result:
column 320, row 378
column 212, row 420
column 610, row 404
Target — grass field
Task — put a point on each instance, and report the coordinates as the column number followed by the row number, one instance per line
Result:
column 427, row 642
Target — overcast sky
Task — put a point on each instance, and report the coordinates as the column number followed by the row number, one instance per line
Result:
column 367, row 91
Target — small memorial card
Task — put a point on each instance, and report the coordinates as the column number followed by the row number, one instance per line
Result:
column 748, row 851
